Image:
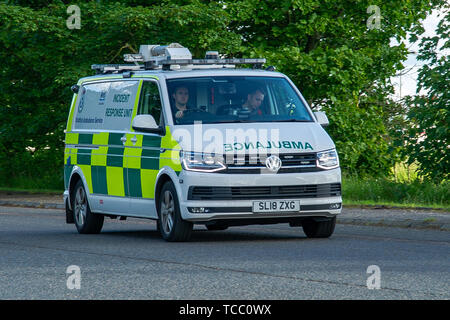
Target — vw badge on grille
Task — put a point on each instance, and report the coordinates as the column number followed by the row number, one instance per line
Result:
column 273, row 163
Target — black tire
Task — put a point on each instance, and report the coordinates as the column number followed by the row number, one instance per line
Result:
column 69, row 213
column 85, row 221
column 319, row 229
column 171, row 226
column 216, row 227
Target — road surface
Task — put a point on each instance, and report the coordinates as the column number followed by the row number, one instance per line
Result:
column 42, row 257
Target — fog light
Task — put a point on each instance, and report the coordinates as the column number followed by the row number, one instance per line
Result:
column 335, row 206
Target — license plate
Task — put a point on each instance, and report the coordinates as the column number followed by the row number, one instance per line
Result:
column 276, row 206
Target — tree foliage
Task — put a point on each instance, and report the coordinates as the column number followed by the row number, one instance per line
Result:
column 340, row 65
column 324, row 46
column 42, row 58
column 429, row 134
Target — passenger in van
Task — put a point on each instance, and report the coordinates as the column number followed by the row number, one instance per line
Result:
column 254, row 100
column 181, row 98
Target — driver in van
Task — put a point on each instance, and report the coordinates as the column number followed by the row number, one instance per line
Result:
column 181, row 97
column 254, row 100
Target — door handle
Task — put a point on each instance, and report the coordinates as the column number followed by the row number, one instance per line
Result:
column 123, row 139
column 134, row 140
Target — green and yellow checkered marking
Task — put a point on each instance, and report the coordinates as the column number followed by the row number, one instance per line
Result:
column 112, row 168
column 116, row 169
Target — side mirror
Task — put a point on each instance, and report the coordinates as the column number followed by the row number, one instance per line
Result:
column 322, row 118
column 146, row 123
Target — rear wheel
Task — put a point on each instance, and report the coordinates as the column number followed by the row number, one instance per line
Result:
column 319, row 228
column 171, row 226
column 85, row 221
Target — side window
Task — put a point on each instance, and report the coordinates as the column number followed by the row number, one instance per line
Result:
column 150, row 101
column 90, row 108
column 106, row 105
column 119, row 105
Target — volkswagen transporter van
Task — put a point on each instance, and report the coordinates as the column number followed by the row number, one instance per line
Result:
column 197, row 141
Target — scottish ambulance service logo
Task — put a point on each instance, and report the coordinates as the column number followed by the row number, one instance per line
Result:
column 101, row 101
column 81, row 104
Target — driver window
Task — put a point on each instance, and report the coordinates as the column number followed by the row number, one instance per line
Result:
column 150, row 101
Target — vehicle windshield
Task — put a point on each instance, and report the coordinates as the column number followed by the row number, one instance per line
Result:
column 235, row 99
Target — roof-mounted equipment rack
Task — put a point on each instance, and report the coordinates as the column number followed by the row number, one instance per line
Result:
column 115, row 68
column 163, row 57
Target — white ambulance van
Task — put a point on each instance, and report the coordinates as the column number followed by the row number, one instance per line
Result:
column 197, row 141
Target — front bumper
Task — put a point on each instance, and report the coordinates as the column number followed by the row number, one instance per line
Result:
column 218, row 205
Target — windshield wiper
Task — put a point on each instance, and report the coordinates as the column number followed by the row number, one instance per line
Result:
column 292, row 120
column 256, row 121
column 231, row 121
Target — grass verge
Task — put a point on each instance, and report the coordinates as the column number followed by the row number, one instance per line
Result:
column 31, row 191
column 387, row 192
column 403, row 191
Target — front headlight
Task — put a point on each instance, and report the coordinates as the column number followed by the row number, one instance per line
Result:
column 201, row 162
column 327, row 159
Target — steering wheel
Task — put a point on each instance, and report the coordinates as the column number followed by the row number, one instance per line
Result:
column 190, row 114
column 193, row 110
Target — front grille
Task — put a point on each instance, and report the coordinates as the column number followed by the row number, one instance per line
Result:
column 265, row 192
column 255, row 164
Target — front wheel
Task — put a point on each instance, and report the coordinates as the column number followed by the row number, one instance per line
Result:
column 85, row 221
column 319, row 229
column 170, row 224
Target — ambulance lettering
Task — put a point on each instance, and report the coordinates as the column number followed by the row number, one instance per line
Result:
column 237, row 146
